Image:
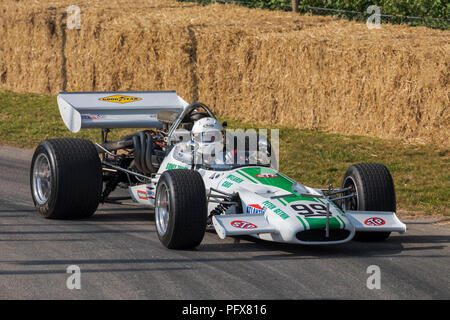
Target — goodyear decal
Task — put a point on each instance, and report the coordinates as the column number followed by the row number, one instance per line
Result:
column 118, row 98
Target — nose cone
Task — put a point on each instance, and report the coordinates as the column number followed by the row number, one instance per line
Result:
column 298, row 219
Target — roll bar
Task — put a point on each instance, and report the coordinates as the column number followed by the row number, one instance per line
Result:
column 183, row 114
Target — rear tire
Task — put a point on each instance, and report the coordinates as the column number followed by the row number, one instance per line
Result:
column 66, row 178
column 180, row 210
column 375, row 191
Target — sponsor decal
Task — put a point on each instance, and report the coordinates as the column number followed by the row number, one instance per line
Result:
column 214, row 175
column 171, row 166
column 267, row 175
column 255, row 209
column 374, row 222
column 283, row 215
column 243, row 225
column 227, row 184
column 91, row 116
column 147, row 194
column 234, row 178
column 269, row 204
column 150, row 192
column 120, row 99
column 142, row 195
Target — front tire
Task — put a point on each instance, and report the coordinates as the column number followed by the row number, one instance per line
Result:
column 374, row 188
column 66, row 178
column 180, row 210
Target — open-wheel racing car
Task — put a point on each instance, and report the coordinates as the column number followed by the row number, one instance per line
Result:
column 196, row 176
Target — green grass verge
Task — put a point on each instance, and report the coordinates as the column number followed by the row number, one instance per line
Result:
column 315, row 158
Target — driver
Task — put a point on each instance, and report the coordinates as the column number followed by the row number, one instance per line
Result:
column 208, row 135
column 207, row 145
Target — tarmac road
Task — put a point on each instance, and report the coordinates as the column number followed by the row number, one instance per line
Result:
column 120, row 257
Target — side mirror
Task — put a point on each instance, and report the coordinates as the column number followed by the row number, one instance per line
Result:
column 224, row 124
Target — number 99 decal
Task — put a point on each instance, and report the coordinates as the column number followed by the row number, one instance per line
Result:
column 310, row 210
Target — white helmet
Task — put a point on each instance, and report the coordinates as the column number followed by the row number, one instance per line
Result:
column 208, row 134
column 207, row 130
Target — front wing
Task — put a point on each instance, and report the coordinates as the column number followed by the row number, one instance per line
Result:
column 257, row 225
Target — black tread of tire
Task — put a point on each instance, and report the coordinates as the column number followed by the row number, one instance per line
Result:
column 377, row 179
column 79, row 178
column 378, row 195
column 190, row 222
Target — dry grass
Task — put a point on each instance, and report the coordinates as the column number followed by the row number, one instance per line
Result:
column 253, row 65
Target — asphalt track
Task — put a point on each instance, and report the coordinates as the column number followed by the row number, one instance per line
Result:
column 120, row 257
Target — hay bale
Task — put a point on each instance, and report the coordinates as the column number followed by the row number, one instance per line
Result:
column 255, row 65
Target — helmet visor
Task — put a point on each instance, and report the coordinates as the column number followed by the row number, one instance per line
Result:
column 208, row 136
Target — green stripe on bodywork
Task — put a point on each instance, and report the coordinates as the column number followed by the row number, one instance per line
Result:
column 299, row 198
column 282, row 202
column 245, row 176
column 301, row 220
column 279, row 182
column 320, row 200
column 343, row 223
column 337, row 208
column 320, row 223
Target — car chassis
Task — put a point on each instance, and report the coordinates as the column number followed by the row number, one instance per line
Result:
column 70, row 177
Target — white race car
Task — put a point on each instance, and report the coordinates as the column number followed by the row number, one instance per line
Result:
column 195, row 176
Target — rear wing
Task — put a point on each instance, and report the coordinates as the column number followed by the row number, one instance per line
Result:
column 109, row 110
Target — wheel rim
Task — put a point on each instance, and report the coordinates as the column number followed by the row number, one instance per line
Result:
column 162, row 210
column 351, row 203
column 42, row 179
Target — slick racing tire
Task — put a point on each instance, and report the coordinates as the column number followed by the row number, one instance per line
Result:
column 66, row 178
column 180, row 209
column 374, row 188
